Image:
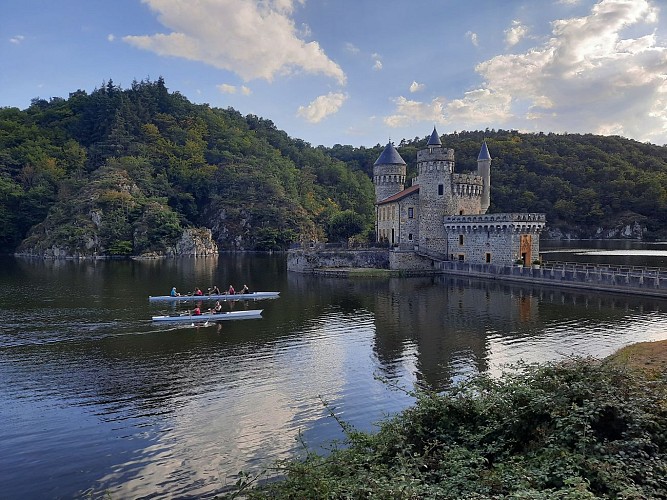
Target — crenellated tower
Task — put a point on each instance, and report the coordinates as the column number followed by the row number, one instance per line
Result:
column 388, row 173
column 435, row 167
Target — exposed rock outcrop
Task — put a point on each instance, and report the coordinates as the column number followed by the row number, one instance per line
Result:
column 194, row 242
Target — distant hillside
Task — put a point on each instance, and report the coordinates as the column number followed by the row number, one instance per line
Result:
column 126, row 171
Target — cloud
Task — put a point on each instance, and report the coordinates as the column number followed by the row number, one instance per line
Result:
column 322, row 107
column 351, row 48
column 416, row 87
column 16, row 39
column 255, row 40
column 473, row 38
column 584, row 78
column 111, row 37
column 227, row 89
column 377, row 61
column 232, row 89
column 515, row 33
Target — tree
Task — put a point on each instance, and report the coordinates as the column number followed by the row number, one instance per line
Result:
column 343, row 225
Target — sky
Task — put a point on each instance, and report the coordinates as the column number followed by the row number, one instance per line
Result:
column 359, row 72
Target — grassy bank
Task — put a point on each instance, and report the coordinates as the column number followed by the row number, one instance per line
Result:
column 582, row 428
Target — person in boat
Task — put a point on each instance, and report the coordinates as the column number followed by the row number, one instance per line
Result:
column 231, row 290
column 245, row 289
column 174, row 293
column 214, row 290
column 217, row 308
column 198, row 291
column 196, row 311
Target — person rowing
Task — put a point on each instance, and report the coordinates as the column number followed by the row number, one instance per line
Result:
column 198, row 291
column 214, row 290
column 230, row 290
column 174, row 293
column 217, row 308
column 245, row 289
column 196, row 311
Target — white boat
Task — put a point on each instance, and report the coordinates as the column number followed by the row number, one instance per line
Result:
column 251, row 314
column 222, row 296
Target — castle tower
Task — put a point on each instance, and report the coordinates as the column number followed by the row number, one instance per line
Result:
column 435, row 167
column 388, row 173
column 484, row 171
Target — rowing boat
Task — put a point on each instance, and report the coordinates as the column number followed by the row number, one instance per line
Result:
column 222, row 296
column 250, row 314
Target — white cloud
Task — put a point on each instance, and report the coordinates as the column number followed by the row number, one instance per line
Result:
column 252, row 39
column 16, row 39
column 322, row 107
column 377, row 61
column 473, row 38
column 416, row 87
column 585, row 78
column 226, row 88
column 111, row 37
column 351, row 48
column 515, row 33
column 232, row 89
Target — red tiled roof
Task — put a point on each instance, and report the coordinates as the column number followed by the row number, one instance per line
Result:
column 400, row 195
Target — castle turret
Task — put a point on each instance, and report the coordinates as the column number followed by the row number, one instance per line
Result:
column 388, row 173
column 435, row 166
column 484, row 171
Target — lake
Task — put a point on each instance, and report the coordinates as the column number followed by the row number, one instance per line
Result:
column 96, row 398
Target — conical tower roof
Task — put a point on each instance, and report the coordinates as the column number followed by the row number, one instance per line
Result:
column 484, row 153
column 434, row 140
column 389, row 156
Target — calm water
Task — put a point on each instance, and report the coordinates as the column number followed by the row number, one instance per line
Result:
column 96, row 398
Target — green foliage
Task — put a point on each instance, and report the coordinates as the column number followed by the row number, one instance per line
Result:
column 343, row 225
column 577, row 429
column 241, row 175
column 120, row 248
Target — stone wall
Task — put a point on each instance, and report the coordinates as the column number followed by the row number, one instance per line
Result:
column 306, row 261
column 471, row 238
column 410, row 261
column 631, row 280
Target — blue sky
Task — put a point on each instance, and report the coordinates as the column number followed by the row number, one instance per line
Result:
column 359, row 71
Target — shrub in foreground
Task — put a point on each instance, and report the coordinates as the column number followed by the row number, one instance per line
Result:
column 576, row 429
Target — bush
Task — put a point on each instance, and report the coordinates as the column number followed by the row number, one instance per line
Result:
column 576, row 429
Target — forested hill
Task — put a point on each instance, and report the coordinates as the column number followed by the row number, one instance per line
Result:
column 124, row 171
column 588, row 185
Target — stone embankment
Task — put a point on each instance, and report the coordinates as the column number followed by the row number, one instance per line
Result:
column 628, row 280
column 369, row 263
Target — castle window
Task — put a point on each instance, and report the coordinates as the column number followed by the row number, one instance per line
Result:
column 411, row 213
column 410, row 237
column 460, row 212
column 441, row 189
column 462, row 257
column 488, row 258
column 460, row 239
column 393, row 212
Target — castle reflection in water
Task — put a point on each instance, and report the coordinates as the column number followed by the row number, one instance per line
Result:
column 447, row 327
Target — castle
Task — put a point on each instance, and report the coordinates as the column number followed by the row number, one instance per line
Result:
column 442, row 215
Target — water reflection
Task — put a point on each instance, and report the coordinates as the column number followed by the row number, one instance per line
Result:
column 96, row 396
